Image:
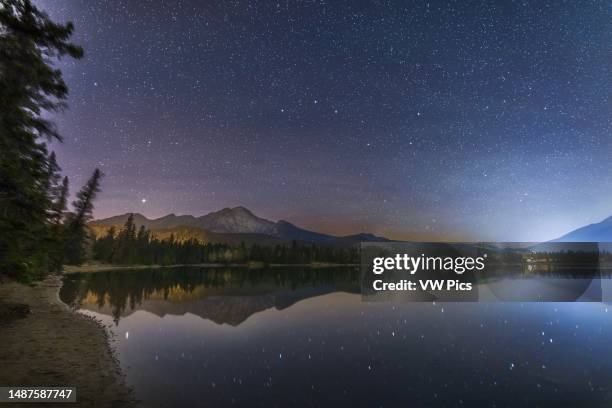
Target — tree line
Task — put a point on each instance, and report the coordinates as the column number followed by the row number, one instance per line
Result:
column 37, row 235
column 131, row 246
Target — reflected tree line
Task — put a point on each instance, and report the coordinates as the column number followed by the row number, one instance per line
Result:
column 120, row 290
column 131, row 247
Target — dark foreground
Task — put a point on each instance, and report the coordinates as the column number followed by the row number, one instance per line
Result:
column 54, row 346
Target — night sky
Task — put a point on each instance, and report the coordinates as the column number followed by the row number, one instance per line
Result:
column 463, row 120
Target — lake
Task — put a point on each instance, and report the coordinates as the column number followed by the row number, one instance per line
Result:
column 304, row 337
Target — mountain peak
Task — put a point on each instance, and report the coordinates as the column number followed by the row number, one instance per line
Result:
column 235, row 220
column 229, row 210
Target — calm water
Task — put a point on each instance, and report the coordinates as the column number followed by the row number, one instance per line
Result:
column 305, row 338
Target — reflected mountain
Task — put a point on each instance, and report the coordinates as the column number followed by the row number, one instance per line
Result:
column 223, row 296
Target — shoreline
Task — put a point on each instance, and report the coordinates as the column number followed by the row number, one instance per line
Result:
column 92, row 268
column 55, row 346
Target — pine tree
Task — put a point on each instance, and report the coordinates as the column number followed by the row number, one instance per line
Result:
column 76, row 230
column 142, row 245
column 29, row 85
column 57, row 244
column 104, row 248
column 53, row 177
column 126, row 244
column 59, row 204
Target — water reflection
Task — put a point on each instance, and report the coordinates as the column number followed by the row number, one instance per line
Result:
column 305, row 338
column 226, row 295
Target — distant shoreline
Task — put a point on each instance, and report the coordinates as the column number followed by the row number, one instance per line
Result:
column 90, row 268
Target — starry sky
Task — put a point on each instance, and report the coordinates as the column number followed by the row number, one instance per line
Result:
column 413, row 120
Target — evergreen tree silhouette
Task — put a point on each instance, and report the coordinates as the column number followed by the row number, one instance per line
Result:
column 76, row 230
column 29, row 85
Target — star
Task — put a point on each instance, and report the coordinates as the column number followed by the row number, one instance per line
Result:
column 195, row 117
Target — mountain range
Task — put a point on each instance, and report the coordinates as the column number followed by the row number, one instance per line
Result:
column 238, row 224
column 598, row 232
column 229, row 225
